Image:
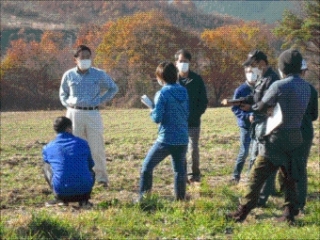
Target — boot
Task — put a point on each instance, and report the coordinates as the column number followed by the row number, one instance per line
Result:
column 239, row 215
column 288, row 215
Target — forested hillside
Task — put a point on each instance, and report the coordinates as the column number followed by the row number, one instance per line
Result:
column 69, row 16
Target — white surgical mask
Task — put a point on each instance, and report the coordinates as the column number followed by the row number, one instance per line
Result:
column 84, row 64
column 251, row 77
column 183, row 67
column 160, row 83
column 281, row 74
column 257, row 71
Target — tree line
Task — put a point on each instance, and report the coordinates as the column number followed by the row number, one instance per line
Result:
column 131, row 47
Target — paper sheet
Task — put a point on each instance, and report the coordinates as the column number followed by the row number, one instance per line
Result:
column 147, row 101
column 274, row 120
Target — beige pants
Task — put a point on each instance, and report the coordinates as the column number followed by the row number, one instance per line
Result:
column 87, row 124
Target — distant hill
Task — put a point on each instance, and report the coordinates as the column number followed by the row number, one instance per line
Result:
column 69, row 16
column 265, row 11
column 57, row 14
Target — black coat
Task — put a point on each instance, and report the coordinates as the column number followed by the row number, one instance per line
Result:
column 198, row 100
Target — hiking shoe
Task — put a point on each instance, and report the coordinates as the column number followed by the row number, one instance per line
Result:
column 85, row 204
column 240, row 214
column 103, row 184
column 288, row 215
column 56, row 202
column 234, row 181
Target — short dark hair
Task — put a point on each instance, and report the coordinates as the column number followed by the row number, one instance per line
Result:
column 185, row 53
column 290, row 62
column 61, row 124
column 167, row 72
column 81, row 48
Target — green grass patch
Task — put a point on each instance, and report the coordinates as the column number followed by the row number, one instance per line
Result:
column 128, row 136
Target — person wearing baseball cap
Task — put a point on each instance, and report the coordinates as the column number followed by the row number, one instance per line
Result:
column 257, row 61
column 283, row 144
column 255, row 56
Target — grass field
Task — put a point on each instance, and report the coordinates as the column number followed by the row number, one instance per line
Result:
column 128, row 136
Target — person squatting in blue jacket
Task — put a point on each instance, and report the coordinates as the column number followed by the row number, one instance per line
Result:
column 68, row 166
column 171, row 112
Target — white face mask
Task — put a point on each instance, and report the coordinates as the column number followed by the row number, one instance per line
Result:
column 257, row 71
column 251, row 77
column 281, row 74
column 84, row 64
column 183, row 67
column 160, row 83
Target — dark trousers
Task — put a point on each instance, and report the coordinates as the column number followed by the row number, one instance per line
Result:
column 47, row 170
column 302, row 183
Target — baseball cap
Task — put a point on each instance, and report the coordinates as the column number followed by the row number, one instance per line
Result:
column 304, row 65
column 255, row 55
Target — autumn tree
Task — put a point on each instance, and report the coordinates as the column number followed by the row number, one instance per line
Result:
column 303, row 32
column 132, row 48
column 227, row 48
column 91, row 35
column 31, row 72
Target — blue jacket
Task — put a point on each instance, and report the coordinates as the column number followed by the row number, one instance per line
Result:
column 242, row 116
column 71, row 163
column 172, row 111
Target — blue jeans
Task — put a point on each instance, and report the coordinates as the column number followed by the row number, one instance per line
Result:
column 156, row 154
column 243, row 152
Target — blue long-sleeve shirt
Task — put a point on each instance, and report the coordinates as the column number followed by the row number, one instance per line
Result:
column 171, row 111
column 71, row 163
column 242, row 116
column 86, row 90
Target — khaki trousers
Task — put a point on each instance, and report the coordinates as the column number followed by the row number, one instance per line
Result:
column 262, row 169
column 87, row 124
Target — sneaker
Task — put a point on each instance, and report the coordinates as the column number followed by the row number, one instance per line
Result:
column 234, row 181
column 195, row 178
column 56, row 202
column 85, row 204
column 103, row 184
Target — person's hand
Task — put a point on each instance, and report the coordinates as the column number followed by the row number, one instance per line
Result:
column 270, row 111
column 251, row 118
column 245, row 107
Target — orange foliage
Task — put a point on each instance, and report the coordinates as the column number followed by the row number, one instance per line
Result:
column 227, row 48
column 29, row 73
